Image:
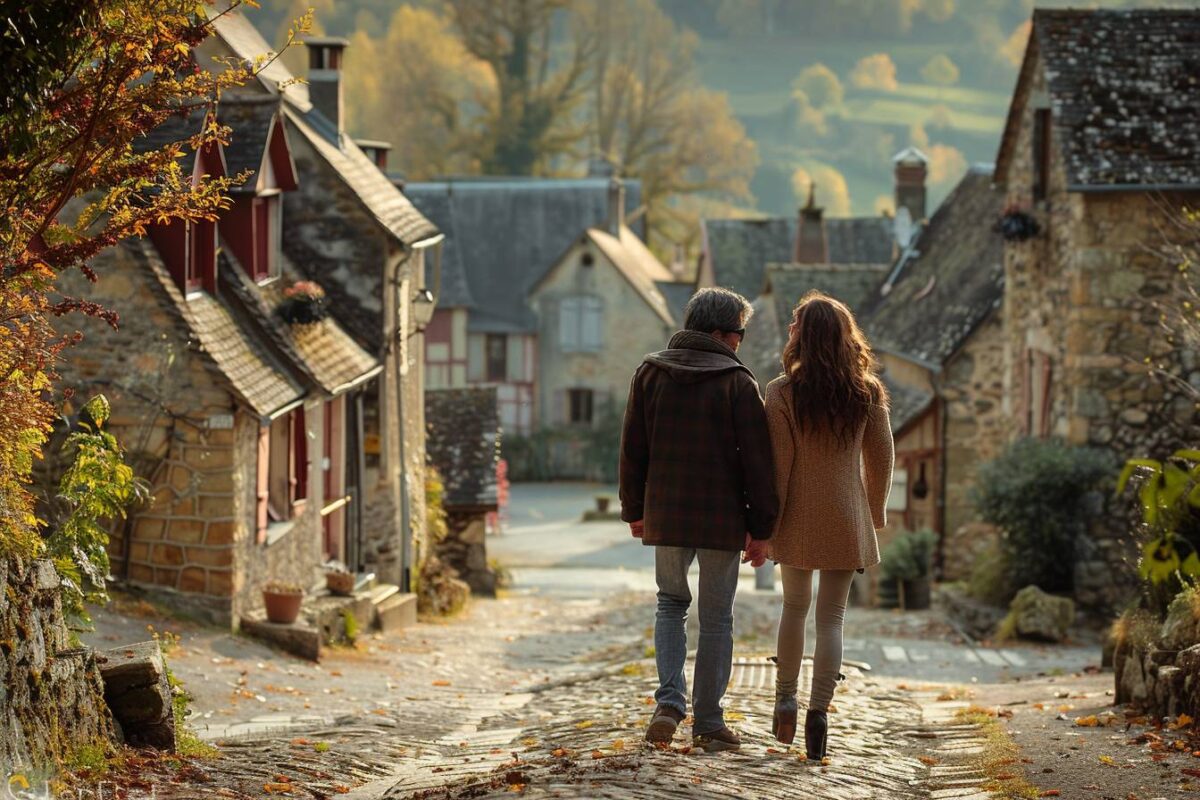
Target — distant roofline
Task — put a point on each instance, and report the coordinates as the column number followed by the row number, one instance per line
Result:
column 506, row 181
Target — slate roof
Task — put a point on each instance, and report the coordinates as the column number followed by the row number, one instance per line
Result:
column 502, row 234
column 235, row 353
column 908, row 403
column 740, row 249
column 1125, row 89
column 380, row 197
column 250, row 120
column 953, row 280
column 322, row 351
column 463, row 443
column 677, row 296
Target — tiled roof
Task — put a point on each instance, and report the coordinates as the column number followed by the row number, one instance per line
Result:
column 377, row 193
column 464, row 444
column 951, row 282
column 322, row 351
column 236, row 353
column 637, row 264
column 1125, row 89
column 504, row 233
column 740, row 249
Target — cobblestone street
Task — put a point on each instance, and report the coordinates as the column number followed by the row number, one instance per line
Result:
column 547, row 690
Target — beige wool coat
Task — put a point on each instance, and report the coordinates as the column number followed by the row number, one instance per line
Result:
column 832, row 497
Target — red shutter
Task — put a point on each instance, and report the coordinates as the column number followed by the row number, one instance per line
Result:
column 262, row 239
column 263, row 488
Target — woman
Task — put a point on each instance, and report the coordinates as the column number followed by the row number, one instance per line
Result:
column 832, row 440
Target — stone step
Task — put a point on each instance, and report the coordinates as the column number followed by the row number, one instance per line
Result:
column 382, row 591
column 398, row 611
column 301, row 638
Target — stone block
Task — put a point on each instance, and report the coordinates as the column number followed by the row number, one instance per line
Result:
column 166, row 576
column 139, row 695
column 216, row 506
column 219, row 533
column 141, row 573
column 192, row 579
column 210, row 556
column 220, row 582
column 168, row 554
column 185, row 531
column 43, row 576
column 1041, row 616
column 396, row 612
column 148, row 528
column 300, row 639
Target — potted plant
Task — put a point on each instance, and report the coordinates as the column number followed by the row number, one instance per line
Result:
column 603, row 501
column 907, row 562
column 339, row 581
column 1017, row 225
column 303, row 303
column 282, row 601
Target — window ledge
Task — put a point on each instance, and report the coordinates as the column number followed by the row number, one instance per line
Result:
column 278, row 530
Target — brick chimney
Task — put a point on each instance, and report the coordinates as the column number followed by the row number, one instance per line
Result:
column 912, row 167
column 325, row 54
column 616, row 206
column 812, row 246
column 376, row 151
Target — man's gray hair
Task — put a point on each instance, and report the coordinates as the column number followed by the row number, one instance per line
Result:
column 717, row 310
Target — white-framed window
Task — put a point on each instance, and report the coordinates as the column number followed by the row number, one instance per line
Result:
column 581, row 324
column 898, row 499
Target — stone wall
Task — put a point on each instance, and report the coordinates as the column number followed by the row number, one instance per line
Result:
column 971, row 388
column 53, row 699
column 1080, row 296
column 465, row 549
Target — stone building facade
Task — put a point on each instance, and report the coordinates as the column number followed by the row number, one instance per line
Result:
column 378, row 258
column 1101, row 148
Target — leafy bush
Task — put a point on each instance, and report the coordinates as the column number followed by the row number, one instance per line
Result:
column 1035, row 493
column 992, row 580
column 909, row 556
column 97, row 488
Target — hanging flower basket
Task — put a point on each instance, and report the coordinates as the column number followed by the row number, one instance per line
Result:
column 1017, row 225
column 303, row 303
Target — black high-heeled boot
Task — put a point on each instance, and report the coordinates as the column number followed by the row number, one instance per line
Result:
column 816, row 729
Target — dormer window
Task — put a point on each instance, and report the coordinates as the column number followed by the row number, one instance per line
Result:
column 251, row 229
column 189, row 248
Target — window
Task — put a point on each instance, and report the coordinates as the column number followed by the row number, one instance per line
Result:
column 266, row 212
column 1041, row 153
column 580, row 403
column 282, row 468
column 581, row 324
column 496, row 352
column 898, row 497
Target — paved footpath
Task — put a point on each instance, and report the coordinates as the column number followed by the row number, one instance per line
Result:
column 546, row 692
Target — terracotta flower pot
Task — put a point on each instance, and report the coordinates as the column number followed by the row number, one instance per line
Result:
column 282, row 608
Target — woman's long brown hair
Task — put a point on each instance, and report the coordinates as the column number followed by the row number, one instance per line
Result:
column 831, row 368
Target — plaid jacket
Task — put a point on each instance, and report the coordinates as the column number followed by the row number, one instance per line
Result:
column 696, row 463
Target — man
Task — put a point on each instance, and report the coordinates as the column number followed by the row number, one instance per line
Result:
column 697, row 482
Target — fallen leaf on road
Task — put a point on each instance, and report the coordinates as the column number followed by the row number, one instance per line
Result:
column 1051, row 793
column 927, row 761
column 1087, row 722
column 1182, row 721
column 1107, row 760
column 583, row 725
column 596, row 754
column 1192, row 773
column 441, row 683
column 618, row 744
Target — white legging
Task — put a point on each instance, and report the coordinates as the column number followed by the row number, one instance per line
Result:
column 833, row 592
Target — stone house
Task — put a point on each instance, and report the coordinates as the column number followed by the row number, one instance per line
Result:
column 352, row 231
column 605, row 302
column 236, row 417
column 554, row 318
column 1101, row 147
column 503, row 234
column 935, row 324
column 464, row 447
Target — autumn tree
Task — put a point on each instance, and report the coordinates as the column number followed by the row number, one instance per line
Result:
column 648, row 113
column 820, row 85
column 92, row 77
column 530, row 119
column 418, row 86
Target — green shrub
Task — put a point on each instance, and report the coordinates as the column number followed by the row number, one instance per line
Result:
column 909, row 556
column 991, row 580
column 1035, row 493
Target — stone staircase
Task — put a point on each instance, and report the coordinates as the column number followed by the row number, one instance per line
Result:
column 328, row 619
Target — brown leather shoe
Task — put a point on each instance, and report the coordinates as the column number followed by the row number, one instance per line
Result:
column 720, row 741
column 663, row 724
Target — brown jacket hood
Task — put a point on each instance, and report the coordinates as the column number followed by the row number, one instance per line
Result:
column 692, row 356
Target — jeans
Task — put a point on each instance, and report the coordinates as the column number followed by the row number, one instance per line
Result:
column 714, row 655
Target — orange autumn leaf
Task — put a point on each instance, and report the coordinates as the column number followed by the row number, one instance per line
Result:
column 1051, row 793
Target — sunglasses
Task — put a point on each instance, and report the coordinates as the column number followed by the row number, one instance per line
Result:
column 741, row 332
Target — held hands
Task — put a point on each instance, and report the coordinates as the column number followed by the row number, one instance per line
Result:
column 755, row 552
column 637, row 528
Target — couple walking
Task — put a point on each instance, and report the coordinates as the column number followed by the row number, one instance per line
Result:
column 708, row 471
